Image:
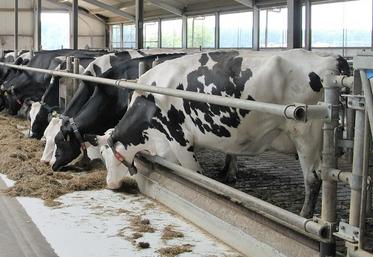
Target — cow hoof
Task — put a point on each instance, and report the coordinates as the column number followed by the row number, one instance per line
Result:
column 306, row 214
column 231, row 180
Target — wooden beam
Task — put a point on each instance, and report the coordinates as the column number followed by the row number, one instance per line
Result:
column 167, row 7
column 111, row 9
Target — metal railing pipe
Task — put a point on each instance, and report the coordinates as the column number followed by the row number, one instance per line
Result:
column 290, row 220
column 367, row 139
column 341, row 176
column 368, row 97
column 329, row 161
column 287, row 111
column 344, row 81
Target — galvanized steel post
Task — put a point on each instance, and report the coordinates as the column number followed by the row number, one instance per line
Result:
column 38, row 25
column 329, row 161
column 76, row 71
column 15, row 28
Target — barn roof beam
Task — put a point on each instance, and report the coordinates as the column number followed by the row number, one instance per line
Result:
column 117, row 6
column 111, row 9
column 81, row 10
column 167, row 7
column 247, row 3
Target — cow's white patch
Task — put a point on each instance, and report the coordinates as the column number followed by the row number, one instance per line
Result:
column 103, row 62
column 35, row 108
column 49, row 134
column 134, row 54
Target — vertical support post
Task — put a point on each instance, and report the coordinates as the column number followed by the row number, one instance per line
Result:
column 70, row 82
column 364, row 191
column 357, row 167
column 76, row 71
column 294, row 38
column 121, row 36
column 184, row 32
column 256, row 29
column 141, row 68
column 159, row 33
column 139, row 24
column 217, row 30
column 357, row 170
column 75, row 24
column 15, row 28
column 308, row 32
column 266, row 31
column 38, row 25
column 329, row 161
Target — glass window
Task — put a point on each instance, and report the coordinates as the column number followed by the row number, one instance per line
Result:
column 201, row 32
column 129, row 34
column 115, row 36
column 273, row 27
column 236, row 29
column 342, row 27
column 171, row 33
column 151, row 34
column 53, row 24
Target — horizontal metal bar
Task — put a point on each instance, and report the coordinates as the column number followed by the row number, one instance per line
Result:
column 360, row 253
column 342, row 176
column 344, row 81
column 293, row 111
column 285, row 218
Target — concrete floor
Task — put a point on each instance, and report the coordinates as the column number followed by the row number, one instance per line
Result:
column 19, row 237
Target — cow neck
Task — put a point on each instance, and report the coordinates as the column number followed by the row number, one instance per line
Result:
column 49, row 108
column 77, row 134
column 131, row 167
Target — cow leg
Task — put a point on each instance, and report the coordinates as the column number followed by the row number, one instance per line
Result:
column 312, row 186
column 308, row 141
column 187, row 158
column 229, row 172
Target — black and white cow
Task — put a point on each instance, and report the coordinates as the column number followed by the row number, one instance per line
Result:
column 101, row 64
column 27, row 85
column 41, row 111
column 9, row 73
column 173, row 127
column 102, row 111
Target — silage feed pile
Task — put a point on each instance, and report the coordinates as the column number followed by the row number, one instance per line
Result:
column 20, row 161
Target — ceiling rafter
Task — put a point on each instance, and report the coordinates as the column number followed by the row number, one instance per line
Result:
column 111, row 9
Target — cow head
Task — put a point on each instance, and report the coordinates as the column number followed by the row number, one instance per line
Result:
column 40, row 114
column 50, row 133
column 67, row 147
column 117, row 172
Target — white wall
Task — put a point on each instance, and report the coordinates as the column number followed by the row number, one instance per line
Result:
column 91, row 31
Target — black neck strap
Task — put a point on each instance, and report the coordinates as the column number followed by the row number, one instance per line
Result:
column 78, row 135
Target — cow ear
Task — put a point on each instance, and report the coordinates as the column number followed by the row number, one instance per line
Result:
column 92, row 139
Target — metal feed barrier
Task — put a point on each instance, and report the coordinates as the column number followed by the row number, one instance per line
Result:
column 248, row 224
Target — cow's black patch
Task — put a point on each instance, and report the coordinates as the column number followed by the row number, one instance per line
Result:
column 225, row 78
column 97, row 70
column 190, row 149
column 343, row 67
column 315, row 82
column 130, row 130
column 204, row 59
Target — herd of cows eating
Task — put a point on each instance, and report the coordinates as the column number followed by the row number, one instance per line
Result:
column 115, row 124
